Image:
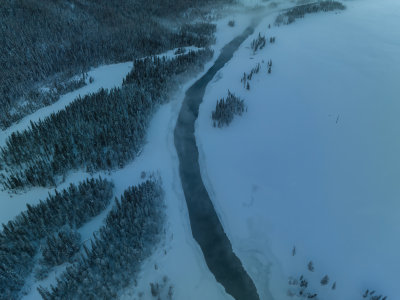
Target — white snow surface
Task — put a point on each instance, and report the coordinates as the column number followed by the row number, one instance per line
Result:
column 314, row 162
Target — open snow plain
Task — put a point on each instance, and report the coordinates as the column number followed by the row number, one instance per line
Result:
column 314, row 163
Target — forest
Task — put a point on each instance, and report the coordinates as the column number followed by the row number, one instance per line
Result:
column 50, row 226
column 100, row 131
column 44, row 43
column 130, row 232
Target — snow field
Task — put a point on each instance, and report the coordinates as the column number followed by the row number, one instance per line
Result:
column 314, row 162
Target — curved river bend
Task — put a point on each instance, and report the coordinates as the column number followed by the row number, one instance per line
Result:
column 206, row 227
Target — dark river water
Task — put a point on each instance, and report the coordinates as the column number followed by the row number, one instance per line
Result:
column 205, row 224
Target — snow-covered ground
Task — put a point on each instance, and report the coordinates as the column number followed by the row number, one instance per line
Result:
column 314, row 163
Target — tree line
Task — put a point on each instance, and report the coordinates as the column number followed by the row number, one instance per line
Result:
column 297, row 12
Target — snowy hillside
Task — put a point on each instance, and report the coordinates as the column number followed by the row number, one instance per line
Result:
column 314, row 162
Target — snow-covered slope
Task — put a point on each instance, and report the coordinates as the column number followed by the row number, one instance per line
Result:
column 315, row 161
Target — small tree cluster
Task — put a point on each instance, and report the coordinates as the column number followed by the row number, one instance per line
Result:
column 162, row 290
column 300, row 11
column 258, row 43
column 372, row 295
column 302, row 288
column 226, row 109
column 247, row 77
column 131, row 230
column 20, row 238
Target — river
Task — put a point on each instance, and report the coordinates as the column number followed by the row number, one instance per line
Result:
column 205, row 224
